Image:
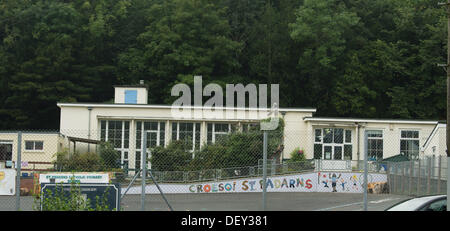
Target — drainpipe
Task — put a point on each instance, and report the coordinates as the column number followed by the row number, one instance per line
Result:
column 357, row 144
column 89, row 128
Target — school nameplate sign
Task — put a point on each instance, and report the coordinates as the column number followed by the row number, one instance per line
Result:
column 92, row 178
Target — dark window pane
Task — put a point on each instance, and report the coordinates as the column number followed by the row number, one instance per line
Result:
column 39, row 145
column 338, row 135
column 348, row 136
column 347, row 152
column 337, row 152
column 327, row 135
column 318, row 135
column 317, row 151
column 174, row 131
column 29, row 145
column 327, row 152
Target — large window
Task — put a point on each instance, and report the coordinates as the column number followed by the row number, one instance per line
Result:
column 155, row 137
column 187, row 132
column 118, row 134
column 332, row 144
column 217, row 131
column 375, row 144
column 409, row 143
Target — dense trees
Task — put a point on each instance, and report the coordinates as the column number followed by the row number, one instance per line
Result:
column 360, row 58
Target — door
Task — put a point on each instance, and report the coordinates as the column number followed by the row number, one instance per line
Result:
column 5, row 153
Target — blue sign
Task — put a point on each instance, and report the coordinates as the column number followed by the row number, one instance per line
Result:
column 97, row 194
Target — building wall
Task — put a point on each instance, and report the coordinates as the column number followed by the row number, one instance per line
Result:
column 52, row 143
column 298, row 132
column 437, row 143
column 391, row 135
column 75, row 122
column 142, row 95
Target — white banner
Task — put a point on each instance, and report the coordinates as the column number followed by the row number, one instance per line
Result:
column 74, row 177
column 343, row 182
column 7, row 182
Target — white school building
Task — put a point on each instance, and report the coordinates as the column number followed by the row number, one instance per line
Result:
column 124, row 122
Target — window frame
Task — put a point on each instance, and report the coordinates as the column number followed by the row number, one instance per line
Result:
column 34, row 146
column 124, row 151
column 375, row 138
column 213, row 131
column 410, row 139
column 319, row 139
column 196, row 133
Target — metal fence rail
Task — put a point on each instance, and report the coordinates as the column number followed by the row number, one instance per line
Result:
column 183, row 172
column 426, row 176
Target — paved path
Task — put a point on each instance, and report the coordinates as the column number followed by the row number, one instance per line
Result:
column 243, row 202
column 253, row 202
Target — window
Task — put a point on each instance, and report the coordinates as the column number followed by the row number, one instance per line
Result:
column 156, row 132
column 375, row 144
column 248, row 127
column 409, row 144
column 34, row 145
column 217, row 131
column 332, row 143
column 130, row 96
column 187, row 132
column 117, row 133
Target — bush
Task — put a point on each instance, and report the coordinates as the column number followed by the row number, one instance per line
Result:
column 297, row 155
column 107, row 159
column 85, row 162
column 109, row 156
column 174, row 157
column 72, row 200
column 239, row 149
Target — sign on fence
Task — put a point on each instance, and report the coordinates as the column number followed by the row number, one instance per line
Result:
column 97, row 194
column 102, row 178
column 343, row 182
column 7, row 182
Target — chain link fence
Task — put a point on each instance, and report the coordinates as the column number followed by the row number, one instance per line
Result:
column 219, row 166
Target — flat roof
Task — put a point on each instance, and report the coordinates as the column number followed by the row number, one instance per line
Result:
column 131, row 86
column 110, row 105
column 369, row 120
column 32, row 132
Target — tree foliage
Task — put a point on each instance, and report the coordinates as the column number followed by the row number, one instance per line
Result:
column 362, row 58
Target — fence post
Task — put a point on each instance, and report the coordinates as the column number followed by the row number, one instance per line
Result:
column 18, row 169
column 388, row 171
column 264, row 170
column 410, row 176
column 439, row 176
column 429, row 175
column 448, row 179
column 365, row 171
column 403, row 176
column 144, row 170
column 418, row 179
